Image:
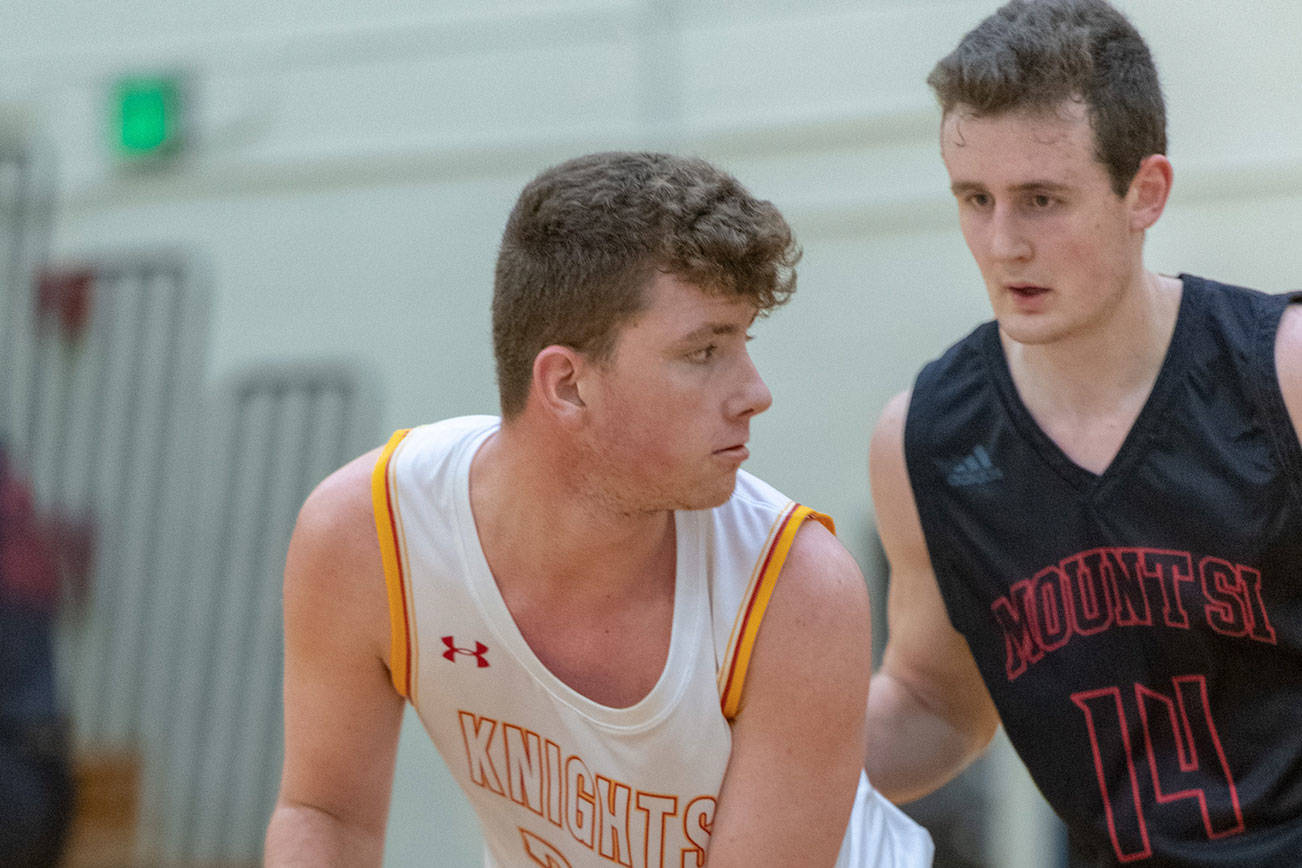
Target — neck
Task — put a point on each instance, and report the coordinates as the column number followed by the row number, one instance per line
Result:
column 1107, row 368
column 536, row 523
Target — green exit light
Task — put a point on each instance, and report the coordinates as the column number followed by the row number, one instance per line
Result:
column 147, row 113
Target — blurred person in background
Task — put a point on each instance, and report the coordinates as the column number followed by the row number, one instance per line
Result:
column 627, row 649
column 1092, row 505
column 35, row 785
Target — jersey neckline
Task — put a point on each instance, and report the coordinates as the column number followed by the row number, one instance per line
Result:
column 689, row 611
column 1142, row 431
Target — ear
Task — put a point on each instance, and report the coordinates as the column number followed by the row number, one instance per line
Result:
column 1149, row 190
column 556, row 373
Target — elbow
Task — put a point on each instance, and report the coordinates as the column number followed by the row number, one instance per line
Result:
column 914, row 746
column 301, row 834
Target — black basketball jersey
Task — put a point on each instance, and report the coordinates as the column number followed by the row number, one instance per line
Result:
column 1140, row 631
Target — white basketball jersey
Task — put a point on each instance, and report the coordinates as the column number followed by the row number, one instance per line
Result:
column 557, row 779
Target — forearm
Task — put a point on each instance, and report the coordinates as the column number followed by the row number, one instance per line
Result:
column 913, row 748
column 301, row 835
column 764, row 828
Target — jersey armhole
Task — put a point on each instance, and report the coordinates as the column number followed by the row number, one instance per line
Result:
column 1270, row 399
column 750, row 614
column 389, row 531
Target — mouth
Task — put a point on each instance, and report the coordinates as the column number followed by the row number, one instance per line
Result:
column 1026, row 290
column 738, row 452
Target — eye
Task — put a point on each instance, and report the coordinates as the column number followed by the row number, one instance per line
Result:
column 979, row 200
column 1041, row 201
column 704, row 354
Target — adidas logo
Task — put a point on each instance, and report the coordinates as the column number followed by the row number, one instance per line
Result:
column 974, row 469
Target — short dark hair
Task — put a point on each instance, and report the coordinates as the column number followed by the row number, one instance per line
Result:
column 1033, row 55
column 587, row 236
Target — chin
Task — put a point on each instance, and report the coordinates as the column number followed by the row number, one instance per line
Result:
column 1030, row 330
column 710, row 497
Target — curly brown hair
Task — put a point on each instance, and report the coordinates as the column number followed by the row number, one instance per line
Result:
column 1034, row 55
column 586, row 237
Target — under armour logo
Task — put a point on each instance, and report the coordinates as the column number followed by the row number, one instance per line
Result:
column 478, row 653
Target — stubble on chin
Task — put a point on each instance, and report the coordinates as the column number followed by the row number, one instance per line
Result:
column 661, row 495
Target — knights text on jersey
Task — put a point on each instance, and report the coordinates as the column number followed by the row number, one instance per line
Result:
column 1139, row 630
column 554, row 777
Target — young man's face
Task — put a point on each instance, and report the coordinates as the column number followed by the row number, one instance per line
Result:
column 1052, row 239
column 671, row 408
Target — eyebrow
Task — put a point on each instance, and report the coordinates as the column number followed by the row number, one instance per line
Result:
column 713, row 330
column 960, row 187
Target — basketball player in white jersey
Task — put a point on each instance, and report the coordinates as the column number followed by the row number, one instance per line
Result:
column 628, row 651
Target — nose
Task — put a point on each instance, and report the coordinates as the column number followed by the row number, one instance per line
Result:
column 752, row 396
column 1007, row 241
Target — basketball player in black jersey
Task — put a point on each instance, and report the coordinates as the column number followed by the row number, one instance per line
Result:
column 1092, row 505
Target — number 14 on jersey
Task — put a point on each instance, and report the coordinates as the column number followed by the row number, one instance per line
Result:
column 1180, row 749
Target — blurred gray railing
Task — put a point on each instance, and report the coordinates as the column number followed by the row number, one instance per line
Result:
column 182, row 497
column 277, row 431
column 26, row 196
column 116, row 441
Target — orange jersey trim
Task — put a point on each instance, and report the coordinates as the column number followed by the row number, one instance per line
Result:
column 732, row 675
column 388, row 530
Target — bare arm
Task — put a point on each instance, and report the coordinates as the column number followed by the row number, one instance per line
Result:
column 798, row 734
column 342, row 714
column 929, row 714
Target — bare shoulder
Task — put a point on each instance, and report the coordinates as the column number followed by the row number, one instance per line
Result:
column 338, row 513
column 819, row 612
column 893, row 415
column 1288, row 362
column 822, row 574
column 818, row 625
column 886, row 448
column 892, row 493
column 815, row 644
column 333, row 571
